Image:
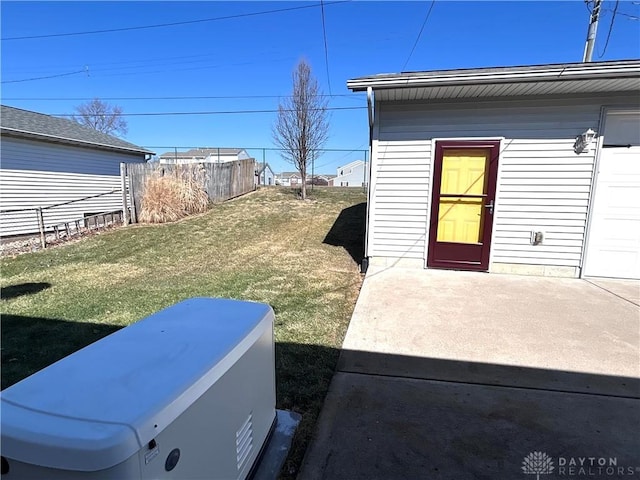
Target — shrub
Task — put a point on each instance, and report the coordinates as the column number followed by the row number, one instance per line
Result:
column 173, row 196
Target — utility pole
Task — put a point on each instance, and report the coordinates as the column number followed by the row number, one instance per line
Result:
column 313, row 161
column 591, row 33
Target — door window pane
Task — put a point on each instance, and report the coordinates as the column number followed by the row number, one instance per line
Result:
column 460, row 219
column 463, row 171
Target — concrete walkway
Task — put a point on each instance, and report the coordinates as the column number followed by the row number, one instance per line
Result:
column 455, row 375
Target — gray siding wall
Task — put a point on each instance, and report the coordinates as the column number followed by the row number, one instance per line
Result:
column 542, row 183
column 39, row 174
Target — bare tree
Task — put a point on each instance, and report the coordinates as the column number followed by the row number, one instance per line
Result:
column 102, row 116
column 302, row 126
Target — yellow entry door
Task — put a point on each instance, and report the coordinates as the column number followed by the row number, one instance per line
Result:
column 464, row 187
column 462, row 194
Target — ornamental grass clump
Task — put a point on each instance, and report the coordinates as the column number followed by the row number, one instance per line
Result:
column 174, row 196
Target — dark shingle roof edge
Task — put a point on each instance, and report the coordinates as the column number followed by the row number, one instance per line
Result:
column 27, row 124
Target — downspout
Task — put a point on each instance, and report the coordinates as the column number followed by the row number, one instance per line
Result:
column 365, row 260
column 592, row 189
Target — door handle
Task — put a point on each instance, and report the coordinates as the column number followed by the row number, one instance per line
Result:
column 490, row 207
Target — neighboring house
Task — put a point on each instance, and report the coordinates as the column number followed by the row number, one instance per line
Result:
column 203, row 155
column 530, row 170
column 354, row 174
column 265, row 175
column 290, row 179
column 47, row 160
column 328, row 178
column 317, row 180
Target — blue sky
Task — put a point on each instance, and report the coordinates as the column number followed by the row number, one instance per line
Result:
column 255, row 55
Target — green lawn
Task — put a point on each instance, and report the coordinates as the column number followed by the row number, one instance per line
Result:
column 266, row 246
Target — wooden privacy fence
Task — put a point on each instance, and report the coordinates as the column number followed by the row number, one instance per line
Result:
column 221, row 181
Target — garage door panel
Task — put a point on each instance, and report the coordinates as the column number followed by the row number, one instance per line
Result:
column 621, row 128
column 613, row 262
column 620, row 200
column 620, row 230
column 614, row 233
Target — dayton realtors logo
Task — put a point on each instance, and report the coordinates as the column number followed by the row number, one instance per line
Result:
column 539, row 463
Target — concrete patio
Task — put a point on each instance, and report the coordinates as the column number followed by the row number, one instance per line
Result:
column 455, row 375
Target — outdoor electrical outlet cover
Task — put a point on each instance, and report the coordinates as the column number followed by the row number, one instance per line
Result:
column 537, row 237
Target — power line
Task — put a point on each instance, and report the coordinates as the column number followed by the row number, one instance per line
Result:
column 419, row 34
column 137, row 72
column 206, row 67
column 152, row 62
column 205, row 97
column 217, row 112
column 586, row 3
column 359, row 149
column 613, row 19
column 326, row 51
column 142, row 63
column 628, row 15
column 43, row 78
column 172, row 24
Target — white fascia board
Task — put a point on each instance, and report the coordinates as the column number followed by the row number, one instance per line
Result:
column 465, row 77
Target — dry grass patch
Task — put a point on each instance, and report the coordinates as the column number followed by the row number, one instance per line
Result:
column 174, row 196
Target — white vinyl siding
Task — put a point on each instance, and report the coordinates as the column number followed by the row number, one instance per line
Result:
column 39, row 174
column 543, row 185
column 400, row 188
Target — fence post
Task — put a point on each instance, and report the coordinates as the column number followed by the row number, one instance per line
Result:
column 123, row 186
column 134, row 213
column 43, row 238
column 264, row 168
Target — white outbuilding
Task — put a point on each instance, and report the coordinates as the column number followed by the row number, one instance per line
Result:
column 530, row 170
column 69, row 170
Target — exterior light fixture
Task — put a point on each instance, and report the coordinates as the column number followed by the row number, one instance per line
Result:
column 583, row 141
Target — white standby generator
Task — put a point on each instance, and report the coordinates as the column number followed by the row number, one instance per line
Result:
column 187, row 393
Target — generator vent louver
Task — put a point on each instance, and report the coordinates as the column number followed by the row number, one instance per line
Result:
column 244, row 442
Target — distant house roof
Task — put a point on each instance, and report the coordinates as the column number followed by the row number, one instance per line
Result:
column 289, row 174
column 202, row 152
column 355, row 163
column 562, row 78
column 38, row 126
column 263, row 167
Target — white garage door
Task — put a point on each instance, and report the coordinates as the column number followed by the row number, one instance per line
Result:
column 614, row 236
